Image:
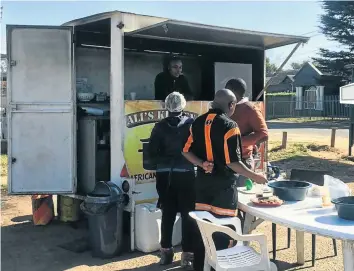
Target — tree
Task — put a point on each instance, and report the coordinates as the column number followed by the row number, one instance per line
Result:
column 270, row 67
column 297, row 65
column 337, row 23
column 3, row 66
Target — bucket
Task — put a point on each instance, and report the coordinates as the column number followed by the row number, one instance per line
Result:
column 42, row 209
column 68, row 209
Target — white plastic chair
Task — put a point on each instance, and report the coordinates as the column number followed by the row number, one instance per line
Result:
column 237, row 258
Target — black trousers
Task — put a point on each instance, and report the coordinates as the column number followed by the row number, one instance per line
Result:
column 176, row 194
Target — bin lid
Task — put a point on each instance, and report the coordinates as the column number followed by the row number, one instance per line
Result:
column 105, row 192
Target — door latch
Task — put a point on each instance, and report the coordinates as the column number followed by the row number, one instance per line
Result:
column 13, row 160
column 13, row 63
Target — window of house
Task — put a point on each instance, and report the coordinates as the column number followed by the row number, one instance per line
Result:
column 310, row 98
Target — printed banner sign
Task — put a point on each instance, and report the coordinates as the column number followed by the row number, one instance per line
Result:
column 140, row 118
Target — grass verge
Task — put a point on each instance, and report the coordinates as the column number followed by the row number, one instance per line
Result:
column 276, row 153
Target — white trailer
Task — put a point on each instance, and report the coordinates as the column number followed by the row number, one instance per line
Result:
column 120, row 53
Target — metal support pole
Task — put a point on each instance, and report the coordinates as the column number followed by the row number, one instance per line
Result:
column 279, row 69
column 117, row 96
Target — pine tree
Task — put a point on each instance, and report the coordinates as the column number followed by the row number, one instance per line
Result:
column 337, row 23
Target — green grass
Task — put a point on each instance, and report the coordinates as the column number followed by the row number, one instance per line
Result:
column 276, row 153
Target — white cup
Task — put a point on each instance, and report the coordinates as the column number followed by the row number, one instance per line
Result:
column 132, row 95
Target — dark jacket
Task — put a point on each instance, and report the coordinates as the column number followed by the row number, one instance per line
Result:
column 166, row 84
column 166, row 144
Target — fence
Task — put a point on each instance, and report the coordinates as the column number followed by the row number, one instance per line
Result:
column 288, row 107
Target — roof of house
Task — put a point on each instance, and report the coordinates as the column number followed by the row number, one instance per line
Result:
column 291, row 74
column 312, row 66
column 291, row 77
column 276, row 80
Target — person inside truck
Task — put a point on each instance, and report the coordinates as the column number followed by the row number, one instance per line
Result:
column 251, row 122
column 174, row 177
column 214, row 146
column 172, row 79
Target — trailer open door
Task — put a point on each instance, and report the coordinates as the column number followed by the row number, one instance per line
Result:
column 41, row 110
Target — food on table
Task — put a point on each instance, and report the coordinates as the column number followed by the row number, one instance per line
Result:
column 268, row 200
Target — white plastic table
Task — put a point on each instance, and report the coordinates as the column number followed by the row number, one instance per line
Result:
column 303, row 216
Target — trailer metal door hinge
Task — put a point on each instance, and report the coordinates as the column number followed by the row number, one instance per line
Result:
column 13, row 63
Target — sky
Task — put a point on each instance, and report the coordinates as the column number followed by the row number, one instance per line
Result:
column 283, row 17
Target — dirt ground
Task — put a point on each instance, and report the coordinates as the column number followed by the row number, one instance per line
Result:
column 37, row 248
column 26, row 247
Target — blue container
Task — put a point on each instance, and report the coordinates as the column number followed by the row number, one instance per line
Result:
column 290, row 190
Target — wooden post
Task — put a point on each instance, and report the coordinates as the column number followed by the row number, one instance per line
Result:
column 284, row 141
column 333, row 137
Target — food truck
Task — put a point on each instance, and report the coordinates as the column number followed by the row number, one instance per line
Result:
column 81, row 96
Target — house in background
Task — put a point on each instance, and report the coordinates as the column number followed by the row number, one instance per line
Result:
column 316, row 93
column 312, row 87
column 282, row 82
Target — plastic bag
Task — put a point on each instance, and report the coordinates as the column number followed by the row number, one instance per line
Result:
column 336, row 187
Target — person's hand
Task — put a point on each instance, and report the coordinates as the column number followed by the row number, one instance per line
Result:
column 260, row 178
column 208, row 166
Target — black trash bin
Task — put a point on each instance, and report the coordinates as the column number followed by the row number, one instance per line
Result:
column 104, row 208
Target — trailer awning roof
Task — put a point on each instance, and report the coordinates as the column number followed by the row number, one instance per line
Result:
column 214, row 35
column 165, row 29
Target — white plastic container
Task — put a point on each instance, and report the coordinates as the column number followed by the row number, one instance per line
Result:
column 148, row 228
column 336, row 187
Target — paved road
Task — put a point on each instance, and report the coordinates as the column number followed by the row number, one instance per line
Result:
column 303, row 133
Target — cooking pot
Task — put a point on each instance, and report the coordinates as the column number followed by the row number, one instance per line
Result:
column 147, row 162
column 290, row 190
column 345, row 207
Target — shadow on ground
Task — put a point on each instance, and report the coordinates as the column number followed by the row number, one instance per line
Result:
column 37, row 248
column 25, row 244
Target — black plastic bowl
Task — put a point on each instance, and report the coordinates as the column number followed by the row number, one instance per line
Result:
column 290, row 190
column 345, row 207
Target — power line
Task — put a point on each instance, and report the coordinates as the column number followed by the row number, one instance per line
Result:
column 309, row 33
